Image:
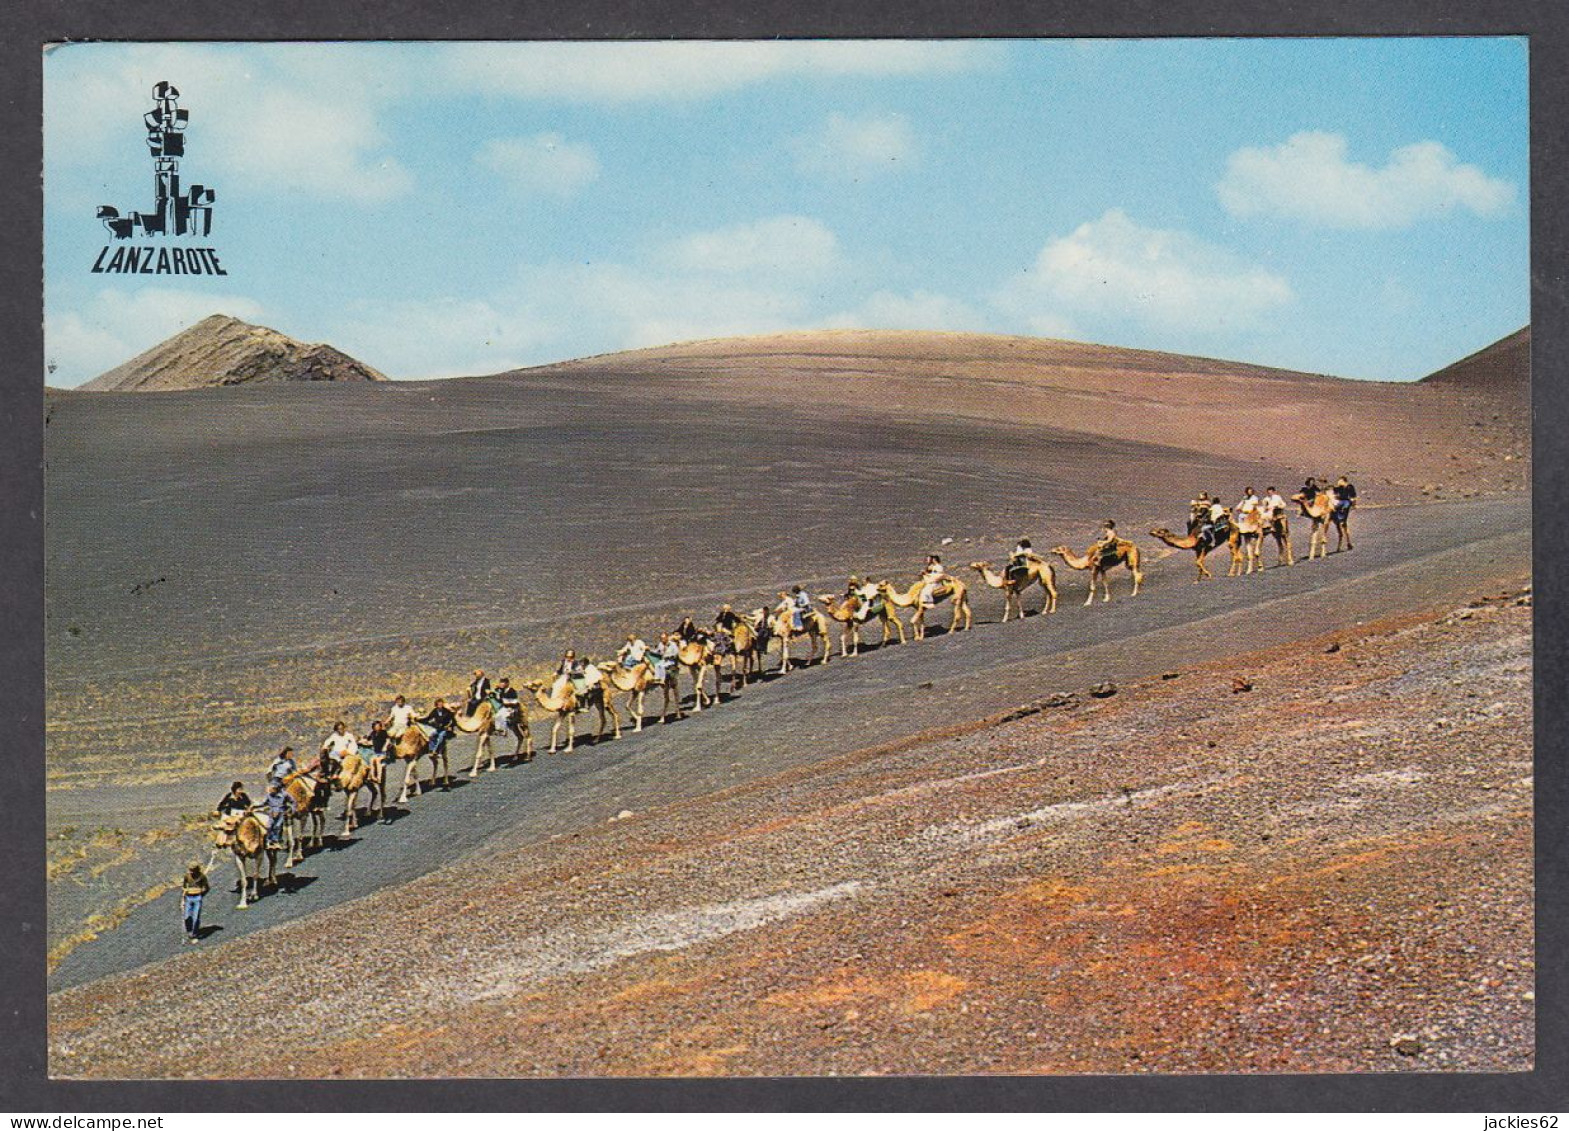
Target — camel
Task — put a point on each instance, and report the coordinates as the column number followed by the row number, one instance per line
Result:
column 1321, row 512
column 245, row 836
column 410, row 746
column 634, row 683
column 1200, row 546
column 695, row 657
column 310, row 812
column 1241, row 538
column 1098, row 562
column 562, row 702
column 1279, row 528
column 483, row 721
column 814, row 626
column 1247, row 542
column 952, row 588
column 752, row 633
column 848, row 612
column 1037, row 571
column 354, row 775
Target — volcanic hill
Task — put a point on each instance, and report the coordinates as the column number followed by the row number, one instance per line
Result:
column 1503, row 368
column 220, row 350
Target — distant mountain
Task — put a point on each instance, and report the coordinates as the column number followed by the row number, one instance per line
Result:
column 1503, row 367
column 221, row 350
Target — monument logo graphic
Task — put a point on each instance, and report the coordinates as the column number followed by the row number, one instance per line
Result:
column 174, row 213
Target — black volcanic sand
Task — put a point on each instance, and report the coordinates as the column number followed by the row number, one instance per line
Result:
column 1409, row 555
column 230, row 570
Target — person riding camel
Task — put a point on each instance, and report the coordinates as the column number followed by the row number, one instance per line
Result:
column 665, row 655
column 727, row 618
column 1345, row 497
column 509, row 700
column 1106, row 544
column 633, row 651
column 399, row 717
column 479, row 691
column 687, row 631
column 801, row 601
column 442, row 722
column 1216, row 522
column 1249, row 505
column 1310, row 490
column 235, row 801
column 379, row 742
column 338, row 746
column 1274, row 505
column 871, row 598
column 277, row 807
column 283, row 765
column 1020, row 557
column 932, row 577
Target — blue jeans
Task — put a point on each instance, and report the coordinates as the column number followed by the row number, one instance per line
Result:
column 193, row 913
column 438, row 741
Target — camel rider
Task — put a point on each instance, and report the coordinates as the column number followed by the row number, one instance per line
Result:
column 632, row 652
column 1310, row 491
column 338, row 746
column 507, row 697
column 283, row 765
column 1345, row 498
column 855, row 591
column 727, row 619
column 931, row 577
column 871, row 597
column 235, row 801
column 479, row 691
column 1274, row 505
column 665, row 656
column 801, row 604
column 1019, row 558
column 399, row 718
column 1105, row 547
column 379, row 743
column 277, row 807
column 442, row 722
column 687, row 632
column 1216, row 521
column 1249, row 505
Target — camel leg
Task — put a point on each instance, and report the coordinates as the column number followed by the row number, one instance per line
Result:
column 245, row 883
column 571, row 732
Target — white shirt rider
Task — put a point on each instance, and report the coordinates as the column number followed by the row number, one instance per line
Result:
column 399, row 718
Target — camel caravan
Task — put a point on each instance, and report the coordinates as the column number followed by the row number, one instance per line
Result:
column 292, row 816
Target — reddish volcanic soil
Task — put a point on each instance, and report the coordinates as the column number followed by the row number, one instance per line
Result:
column 1327, row 869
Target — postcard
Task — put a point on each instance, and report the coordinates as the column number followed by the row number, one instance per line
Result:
column 788, row 558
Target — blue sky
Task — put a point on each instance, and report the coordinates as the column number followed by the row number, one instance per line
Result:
column 1347, row 206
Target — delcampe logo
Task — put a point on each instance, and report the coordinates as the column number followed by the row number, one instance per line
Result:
column 174, row 212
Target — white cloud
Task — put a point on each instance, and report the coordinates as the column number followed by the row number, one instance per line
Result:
column 1309, row 177
column 443, row 337
column 1112, row 268
column 544, row 163
column 115, row 325
column 846, row 148
column 795, row 246
column 664, row 70
column 918, row 310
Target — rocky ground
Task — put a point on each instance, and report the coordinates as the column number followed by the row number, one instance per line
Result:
column 1313, row 858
